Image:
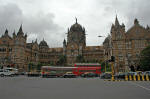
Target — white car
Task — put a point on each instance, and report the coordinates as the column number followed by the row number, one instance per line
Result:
column 4, row 72
column 13, row 70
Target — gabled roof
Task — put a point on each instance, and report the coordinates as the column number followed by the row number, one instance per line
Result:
column 137, row 32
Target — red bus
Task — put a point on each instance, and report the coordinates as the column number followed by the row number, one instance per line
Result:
column 87, row 67
column 78, row 69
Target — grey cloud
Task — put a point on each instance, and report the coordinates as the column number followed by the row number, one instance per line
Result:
column 10, row 16
column 95, row 15
column 130, row 9
column 38, row 26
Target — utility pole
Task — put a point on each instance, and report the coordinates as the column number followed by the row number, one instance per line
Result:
column 112, row 67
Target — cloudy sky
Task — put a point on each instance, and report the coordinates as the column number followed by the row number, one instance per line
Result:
column 49, row 19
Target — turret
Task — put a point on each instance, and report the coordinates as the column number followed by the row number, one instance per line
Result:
column 123, row 26
column 83, row 29
column 64, row 43
column 20, row 32
column 6, row 32
column 64, row 47
column 147, row 27
column 14, row 34
column 36, row 40
column 136, row 22
column 25, row 36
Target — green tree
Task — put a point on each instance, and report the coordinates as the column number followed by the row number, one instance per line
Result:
column 145, row 59
column 62, row 60
column 38, row 67
column 107, row 65
column 51, row 63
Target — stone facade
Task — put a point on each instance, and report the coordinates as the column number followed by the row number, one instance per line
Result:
column 126, row 45
column 16, row 52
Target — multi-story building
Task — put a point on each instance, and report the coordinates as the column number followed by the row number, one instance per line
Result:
column 15, row 51
column 126, row 45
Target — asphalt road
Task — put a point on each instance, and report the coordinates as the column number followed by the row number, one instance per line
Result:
column 71, row 88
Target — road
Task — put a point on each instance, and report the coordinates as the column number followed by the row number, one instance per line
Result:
column 71, row 88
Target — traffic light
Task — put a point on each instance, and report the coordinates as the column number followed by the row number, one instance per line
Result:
column 112, row 58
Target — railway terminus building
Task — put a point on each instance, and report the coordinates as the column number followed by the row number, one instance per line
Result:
column 124, row 45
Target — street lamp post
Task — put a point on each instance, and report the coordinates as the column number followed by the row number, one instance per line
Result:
column 104, row 54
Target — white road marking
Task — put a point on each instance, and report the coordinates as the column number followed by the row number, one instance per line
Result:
column 140, row 86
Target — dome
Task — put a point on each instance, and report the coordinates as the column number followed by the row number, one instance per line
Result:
column 76, row 27
column 43, row 43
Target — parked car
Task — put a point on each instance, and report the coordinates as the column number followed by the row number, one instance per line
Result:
column 120, row 75
column 69, row 75
column 4, row 72
column 89, row 74
column 106, row 75
column 14, row 71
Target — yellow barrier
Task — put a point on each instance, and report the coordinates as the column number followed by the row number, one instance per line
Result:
column 126, row 77
column 134, row 77
column 112, row 78
column 143, row 78
column 130, row 77
column 147, row 78
column 138, row 76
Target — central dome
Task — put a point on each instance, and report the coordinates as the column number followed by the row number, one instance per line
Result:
column 76, row 27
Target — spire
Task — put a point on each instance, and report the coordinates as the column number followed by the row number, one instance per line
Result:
column 14, row 34
column 64, row 43
column 136, row 22
column 36, row 40
column 20, row 29
column 76, row 20
column 147, row 27
column 26, row 35
column 116, row 21
column 20, row 32
column 6, row 32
